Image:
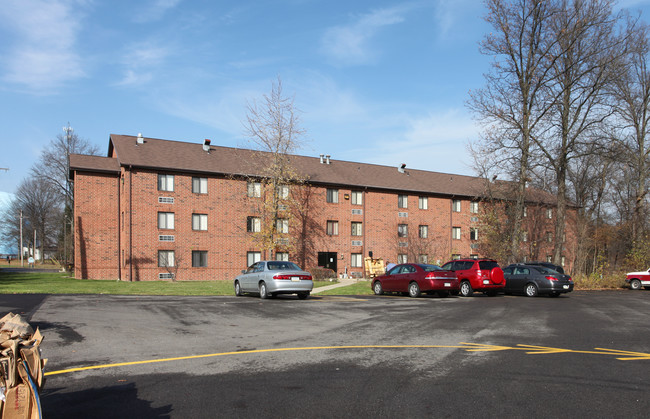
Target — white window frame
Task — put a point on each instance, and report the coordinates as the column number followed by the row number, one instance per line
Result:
column 166, row 259
column 356, row 260
column 473, row 231
column 423, row 231
column 456, row 233
column 473, row 207
column 402, row 258
column 202, row 257
column 357, row 198
column 455, row 205
column 165, row 220
column 402, row 230
column 283, row 256
column 200, row 185
column 549, row 213
column 200, row 222
column 253, row 224
column 283, row 191
column 254, row 189
column 524, row 236
column 332, row 196
column 282, row 225
column 356, row 228
column 332, row 228
column 166, row 183
column 423, row 259
column 253, row 257
column 423, row 203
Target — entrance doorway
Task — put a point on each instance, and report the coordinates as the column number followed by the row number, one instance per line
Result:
column 327, row 260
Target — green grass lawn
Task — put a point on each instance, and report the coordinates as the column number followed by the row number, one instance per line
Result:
column 61, row 283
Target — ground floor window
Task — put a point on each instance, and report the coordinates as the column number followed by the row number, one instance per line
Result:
column 199, row 258
column 356, row 260
column 423, row 258
column 166, row 258
column 402, row 258
column 284, row 256
column 253, row 257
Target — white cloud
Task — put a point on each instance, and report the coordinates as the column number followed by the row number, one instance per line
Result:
column 350, row 44
column 139, row 62
column 154, row 10
column 40, row 54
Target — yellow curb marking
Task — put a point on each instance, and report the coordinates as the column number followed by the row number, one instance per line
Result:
column 468, row 347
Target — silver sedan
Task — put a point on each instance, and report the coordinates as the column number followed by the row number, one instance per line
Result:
column 269, row 278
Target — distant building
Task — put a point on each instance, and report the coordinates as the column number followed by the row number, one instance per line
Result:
column 156, row 209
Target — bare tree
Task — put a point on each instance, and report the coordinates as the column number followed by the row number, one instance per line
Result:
column 512, row 105
column 273, row 126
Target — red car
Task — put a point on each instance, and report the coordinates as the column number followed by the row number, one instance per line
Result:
column 483, row 275
column 638, row 279
column 415, row 278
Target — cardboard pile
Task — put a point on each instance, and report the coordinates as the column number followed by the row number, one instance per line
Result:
column 21, row 368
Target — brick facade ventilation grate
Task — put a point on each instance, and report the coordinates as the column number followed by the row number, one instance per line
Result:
column 166, row 275
column 357, row 212
column 166, row 238
column 357, row 243
column 403, row 214
column 165, row 200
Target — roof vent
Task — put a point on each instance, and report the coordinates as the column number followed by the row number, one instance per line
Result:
column 327, row 159
column 206, row 145
column 139, row 140
column 401, row 168
column 322, row 158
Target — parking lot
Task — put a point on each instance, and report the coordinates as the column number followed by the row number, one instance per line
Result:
column 586, row 354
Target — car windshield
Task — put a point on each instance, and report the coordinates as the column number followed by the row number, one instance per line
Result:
column 282, row 266
column 488, row 264
column 431, row 268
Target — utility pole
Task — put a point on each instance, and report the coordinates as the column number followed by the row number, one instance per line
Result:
column 22, row 262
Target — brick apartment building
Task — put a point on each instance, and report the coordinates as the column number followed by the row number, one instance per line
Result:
column 153, row 209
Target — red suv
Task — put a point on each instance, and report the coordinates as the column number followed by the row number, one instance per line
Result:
column 483, row 275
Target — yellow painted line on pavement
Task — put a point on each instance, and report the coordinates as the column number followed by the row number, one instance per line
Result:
column 468, row 347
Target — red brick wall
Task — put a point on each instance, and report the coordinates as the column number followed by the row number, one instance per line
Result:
column 102, row 224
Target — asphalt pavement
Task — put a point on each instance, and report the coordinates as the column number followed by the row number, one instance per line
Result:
column 583, row 354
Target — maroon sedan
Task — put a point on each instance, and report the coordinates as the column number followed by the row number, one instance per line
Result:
column 416, row 278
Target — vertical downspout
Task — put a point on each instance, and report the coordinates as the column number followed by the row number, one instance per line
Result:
column 130, row 223
column 365, row 229
column 451, row 227
column 119, row 228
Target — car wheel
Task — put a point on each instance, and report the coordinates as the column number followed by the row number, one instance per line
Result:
column 443, row 294
column 530, row 290
column 414, row 290
column 376, row 287
column 303, row 295
column 264, row 293
column 466, row 289
column 635, row 284
column 238, row 292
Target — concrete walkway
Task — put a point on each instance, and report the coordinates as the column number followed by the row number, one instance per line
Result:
column 341, row 283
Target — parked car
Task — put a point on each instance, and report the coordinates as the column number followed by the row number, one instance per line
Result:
column 549, row 265
column 415, row 278
column 483, row 275
column 533, row 280
column 269, row 278
column 638, row 279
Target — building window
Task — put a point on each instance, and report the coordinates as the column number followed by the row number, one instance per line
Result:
column 252, row 257
column 357, row 228
column 455, row 256
column 455, row 205
column 199, row 259
column 284, row 256
column 423, row 258
column 283, row 191
column 332, row 228
column 402, row 201
column 254, row 189
column 356, row 261
column 402, row 230
column 423, row 203
column 166, row 258
column 282, row 225
column 357, row 198
column 549, row 259
column 402, row 258
column 333, row 196
column 200, row 185
column 525, row 212
column 549, row 237
column 423, row 231
column 253, row 224
column 524, row 236
column 473, row 233
column 166, row 220
column 549, row 213
column 562, row 262
column 473, row 207
column 166, row 183
column 200, row 222
column 455, row 233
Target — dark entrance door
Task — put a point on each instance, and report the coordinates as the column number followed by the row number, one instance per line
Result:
column 327, row 260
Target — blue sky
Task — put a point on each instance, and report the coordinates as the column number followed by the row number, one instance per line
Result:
column 377, row 81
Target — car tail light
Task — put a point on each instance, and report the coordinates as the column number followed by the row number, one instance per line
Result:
column 289, row 277
column 569, row 279
column 552, row 278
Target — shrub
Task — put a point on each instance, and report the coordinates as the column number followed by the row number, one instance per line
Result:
column 598, row 281
column 323, row 274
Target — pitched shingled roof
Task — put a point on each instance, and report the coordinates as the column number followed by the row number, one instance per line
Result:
column 177, row 156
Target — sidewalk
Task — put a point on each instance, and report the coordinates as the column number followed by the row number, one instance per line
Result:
column 341, row 283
